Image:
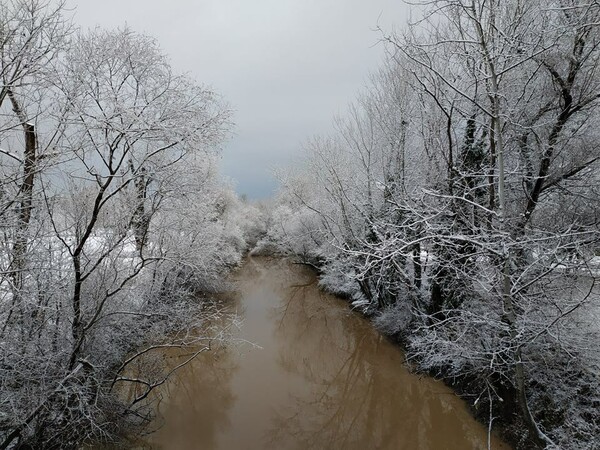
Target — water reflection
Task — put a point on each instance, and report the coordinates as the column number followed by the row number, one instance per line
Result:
column 194, row 406
column 322, row 378
column 359, row 395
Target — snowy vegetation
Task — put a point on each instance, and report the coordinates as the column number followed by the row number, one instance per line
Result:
column 115, row 226
column 457, row 203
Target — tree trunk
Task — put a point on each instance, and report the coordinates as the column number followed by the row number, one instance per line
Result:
column 24, row 207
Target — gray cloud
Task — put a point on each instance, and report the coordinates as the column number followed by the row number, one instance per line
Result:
column 285, row 66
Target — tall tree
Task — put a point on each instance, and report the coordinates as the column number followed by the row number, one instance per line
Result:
column 103, row 146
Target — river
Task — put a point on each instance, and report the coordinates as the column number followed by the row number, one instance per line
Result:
column 318, row 377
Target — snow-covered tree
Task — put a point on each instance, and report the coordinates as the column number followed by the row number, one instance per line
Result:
column 458, row 202
column 116, row 225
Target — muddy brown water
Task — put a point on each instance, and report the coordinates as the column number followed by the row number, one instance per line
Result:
column 322, row 378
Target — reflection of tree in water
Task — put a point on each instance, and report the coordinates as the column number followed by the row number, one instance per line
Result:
column 194, row 405
column 358, row 393
column 275, row 272
column 198, row 403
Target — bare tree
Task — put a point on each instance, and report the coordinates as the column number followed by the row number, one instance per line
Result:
column 480, row 250
column 32, row 34
column 98, row 259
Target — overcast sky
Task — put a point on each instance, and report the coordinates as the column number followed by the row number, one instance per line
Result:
column 285, row 66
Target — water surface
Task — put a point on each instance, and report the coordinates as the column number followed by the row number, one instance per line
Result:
column 322, row 378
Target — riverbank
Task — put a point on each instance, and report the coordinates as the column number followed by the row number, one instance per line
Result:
column 303, row 371
column 490, row 399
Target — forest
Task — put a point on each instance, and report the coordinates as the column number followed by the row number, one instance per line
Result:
column 456, row 203
column 115, row 224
